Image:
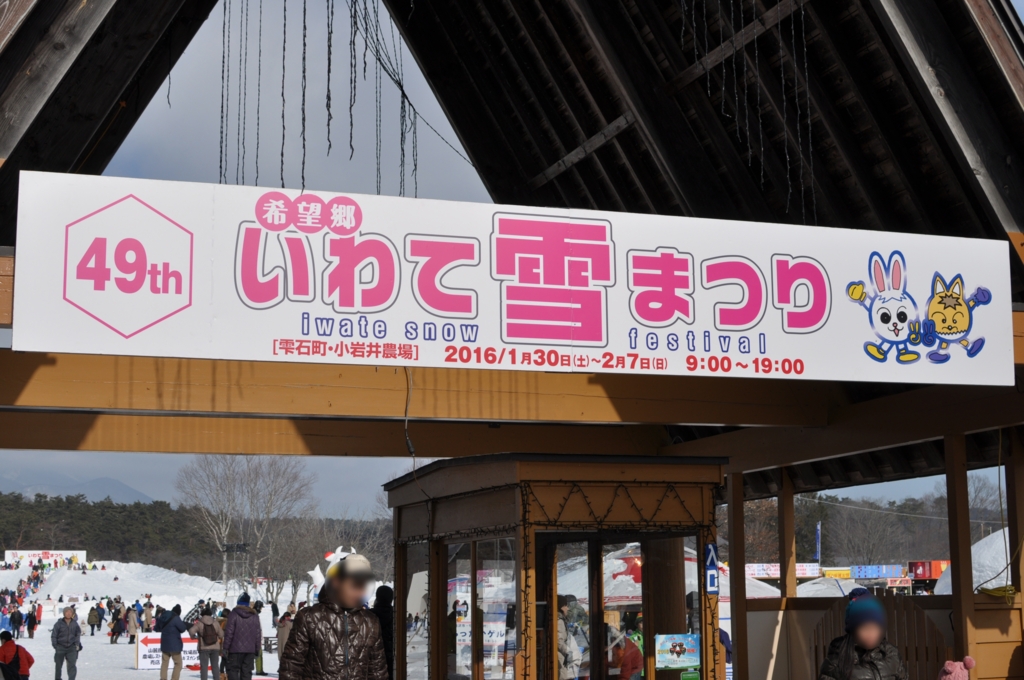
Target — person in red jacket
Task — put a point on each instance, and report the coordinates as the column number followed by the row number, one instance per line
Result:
column 9, row 649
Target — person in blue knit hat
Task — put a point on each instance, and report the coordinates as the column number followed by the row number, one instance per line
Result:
column 863, row 653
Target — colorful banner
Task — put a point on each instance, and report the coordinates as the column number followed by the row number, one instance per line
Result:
column 152, row 268
column 676, row 651
column 803, row 570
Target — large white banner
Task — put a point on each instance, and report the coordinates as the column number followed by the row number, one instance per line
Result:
column 48, row 556
column 151, row 268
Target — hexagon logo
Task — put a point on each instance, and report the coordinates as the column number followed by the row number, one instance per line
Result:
column 128, row 266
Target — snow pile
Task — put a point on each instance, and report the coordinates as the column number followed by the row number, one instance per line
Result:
column 826, row 587
column 989, row 558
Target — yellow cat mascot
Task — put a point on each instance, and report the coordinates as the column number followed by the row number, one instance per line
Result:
column 951, row 316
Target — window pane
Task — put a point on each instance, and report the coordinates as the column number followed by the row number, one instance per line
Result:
column 623, row 611
column 459, row 627
column 573, row 602
column 496, row 594
column 417, row 562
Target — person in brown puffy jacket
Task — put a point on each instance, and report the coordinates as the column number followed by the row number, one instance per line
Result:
column 337, row 639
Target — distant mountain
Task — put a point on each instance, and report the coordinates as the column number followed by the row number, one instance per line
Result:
column 56, row 484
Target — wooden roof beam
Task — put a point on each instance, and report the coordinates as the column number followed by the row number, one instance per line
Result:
column 571, row 87
column 967, row 121
column 666, row 134
column 708, row 123
column 149, row 433
column 906, row 418
column 736, row 43
column 583, row 150
column 193, row 386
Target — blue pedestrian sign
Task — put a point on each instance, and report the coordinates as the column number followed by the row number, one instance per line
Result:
column 711, row 572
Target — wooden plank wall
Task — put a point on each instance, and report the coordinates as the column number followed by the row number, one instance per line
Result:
column 998, row 635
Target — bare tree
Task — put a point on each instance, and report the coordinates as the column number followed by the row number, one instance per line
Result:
column 273, row 488
column 867, row 533
column 209, row 487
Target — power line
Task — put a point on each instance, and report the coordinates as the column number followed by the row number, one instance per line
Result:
column 887, row 512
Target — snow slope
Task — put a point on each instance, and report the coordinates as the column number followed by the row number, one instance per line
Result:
column 134, row 581
column 99, row 659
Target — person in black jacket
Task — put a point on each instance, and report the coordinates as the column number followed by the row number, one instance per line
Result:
column 385, row 611
column 863, row 653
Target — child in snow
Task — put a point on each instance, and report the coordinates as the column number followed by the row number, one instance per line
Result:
column 863, row 653
column 337, row 637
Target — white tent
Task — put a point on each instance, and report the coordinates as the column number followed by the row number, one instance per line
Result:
column 826, row 587
column 989, row 558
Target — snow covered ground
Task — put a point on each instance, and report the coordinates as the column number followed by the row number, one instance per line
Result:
column 99, row 659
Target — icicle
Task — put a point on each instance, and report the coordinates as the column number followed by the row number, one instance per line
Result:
column 693, row 23
column 415, row 157
column 735, row 56
column 682, row 28
column 284, row 61
column 241, row 76
column 330, row 52
column 376, row 84
column 785, row 113
column 170, row 61
column 757, row 77
column 366, row 36
column 708, row 71
column 799, row 133
column 224, row 75
column 259, row 90
column 304, row 35
column 352, row 75
column 746, row 88
column 401, row 145
column 245, row 87
column 810, row 129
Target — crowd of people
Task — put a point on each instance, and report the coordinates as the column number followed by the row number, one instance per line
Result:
column 229, row 641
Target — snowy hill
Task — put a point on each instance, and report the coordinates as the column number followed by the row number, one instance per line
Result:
column 134, row 581
column 100, row 659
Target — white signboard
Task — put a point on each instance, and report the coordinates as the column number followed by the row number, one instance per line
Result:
column 803, row 570
column 149, row 268
column 148, row 654
column 49, row 556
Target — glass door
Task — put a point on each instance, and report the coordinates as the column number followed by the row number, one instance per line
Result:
column 618, row 607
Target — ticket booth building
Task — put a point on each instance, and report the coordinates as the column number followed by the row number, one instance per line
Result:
column 528, row 566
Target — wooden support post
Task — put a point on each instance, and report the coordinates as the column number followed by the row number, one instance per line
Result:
column 712, row 652
column 960, row 544
column 787, row 537
column 1015, row 503
column 738, row 577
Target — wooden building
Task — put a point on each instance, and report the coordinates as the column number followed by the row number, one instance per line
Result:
column 903, row 115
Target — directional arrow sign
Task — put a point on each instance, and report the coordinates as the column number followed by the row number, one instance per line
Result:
column 148, row 655
column 711, row 569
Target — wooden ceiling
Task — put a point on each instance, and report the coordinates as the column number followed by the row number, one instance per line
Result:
column 866, row 114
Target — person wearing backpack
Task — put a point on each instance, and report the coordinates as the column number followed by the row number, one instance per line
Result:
column 209, row 633
column 15, row 659
column 170, row 626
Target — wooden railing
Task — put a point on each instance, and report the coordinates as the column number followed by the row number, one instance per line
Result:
column 919, row 641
